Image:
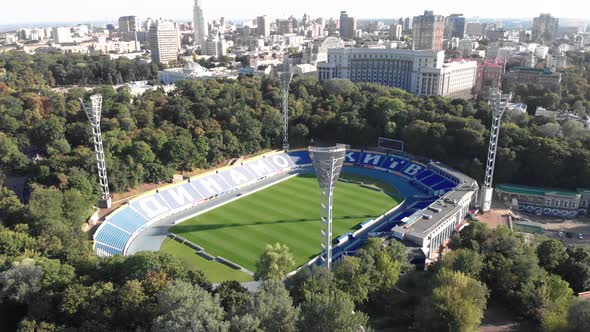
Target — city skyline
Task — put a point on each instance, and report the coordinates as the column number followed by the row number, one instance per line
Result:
column 109, row 10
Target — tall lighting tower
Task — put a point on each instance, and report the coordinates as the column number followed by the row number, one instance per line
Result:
column 327, row 163
column 500, row 102
column 94, row 114
column 285, row 80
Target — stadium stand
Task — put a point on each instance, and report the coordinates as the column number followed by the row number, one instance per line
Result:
column 121, row 226
column 300, row 158
column 128, row 220
column 112, row 236
column 104, row 250
column 432, row 180
column 446, row 184
column 422, row 184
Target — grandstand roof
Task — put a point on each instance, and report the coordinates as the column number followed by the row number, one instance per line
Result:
column 448, row 205
column 537, row 191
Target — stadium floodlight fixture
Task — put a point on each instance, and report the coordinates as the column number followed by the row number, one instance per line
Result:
column 94, row 114
column 500, row 102
column 327, row 163
column 285, row 77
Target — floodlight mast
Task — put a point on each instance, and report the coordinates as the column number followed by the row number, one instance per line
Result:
column 500, row 102
column 285, row 81
column 94, row 114
column 327, row 163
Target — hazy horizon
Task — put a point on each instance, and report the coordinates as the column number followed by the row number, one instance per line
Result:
column 70, row 11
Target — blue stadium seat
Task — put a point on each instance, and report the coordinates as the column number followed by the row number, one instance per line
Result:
column 432, row 180
column 300, row 158
column 402, row 163
column 240, row 177
column 256, row 168
column 112, row 236
column 423, row 174
column 446, row 184
column 103, row 250
column 179, row 196
column 377, row 162
column 156, row 206
column 128, row 220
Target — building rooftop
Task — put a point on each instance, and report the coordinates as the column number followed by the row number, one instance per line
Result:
column 542, row 71
column 437, row 212
column 527, row 190
column 425, row 220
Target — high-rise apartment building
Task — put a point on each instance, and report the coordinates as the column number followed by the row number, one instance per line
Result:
column 395, row 31
column 422, row 72
column 455, row 26
column 263, row 26
column 351, row 28
column 164, row 41
column 62, row 35
column 347, row 26
column 200, row 27
column 285, row 26
column 215, row 46
column 428, row 30
column 344, row 25
column 408, row 23
column 545, row 28
column 129, row 24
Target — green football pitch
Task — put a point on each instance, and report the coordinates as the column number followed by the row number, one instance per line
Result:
column 287, row 212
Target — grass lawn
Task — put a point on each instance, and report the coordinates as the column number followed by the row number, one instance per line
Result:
column 287, row 212
column 215, row 272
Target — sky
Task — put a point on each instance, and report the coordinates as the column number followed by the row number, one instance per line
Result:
column 31, row 11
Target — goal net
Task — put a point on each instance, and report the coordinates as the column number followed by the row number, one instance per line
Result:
column 390, row 145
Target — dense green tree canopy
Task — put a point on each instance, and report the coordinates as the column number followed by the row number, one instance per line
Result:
column 275, row 262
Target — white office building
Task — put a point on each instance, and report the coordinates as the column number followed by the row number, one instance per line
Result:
column 457, row 79
column 418, row 71
column 215, row 46
column 395, row 31
column 263, row 26
column 164, row 41
column 62, row 35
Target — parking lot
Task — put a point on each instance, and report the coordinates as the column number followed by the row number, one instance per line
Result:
column 571, row 228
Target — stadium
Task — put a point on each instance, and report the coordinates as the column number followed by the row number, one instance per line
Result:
column 224, row 218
